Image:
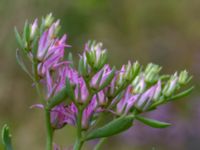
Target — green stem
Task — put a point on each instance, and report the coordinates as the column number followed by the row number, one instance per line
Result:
column 79, row 142
column 49, row 130
column 100, row 143
column 36, row 81
column 78, row 145
column 39, row 92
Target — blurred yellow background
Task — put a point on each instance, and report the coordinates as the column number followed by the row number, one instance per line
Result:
column 166, row 32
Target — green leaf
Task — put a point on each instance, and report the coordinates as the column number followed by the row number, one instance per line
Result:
column 58, row 98
column 136, row 70
column 26, row 32
column 35, row 47
column 152, row 123
column 99, row 78
column 70, row 58
column 19, row 39
column 42, row 27
column 69, row 89
column 108, row 79
column 6, row 138
column 120, row 88
column 182, row 94
column 102, row 61
column 164, row 77
column 21, row 63
column 114, row 127
column 89, row 58
column 81, row 67
column 175, row 97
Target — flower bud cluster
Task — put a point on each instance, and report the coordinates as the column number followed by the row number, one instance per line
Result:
column 95, row 54
column 95, row 87
column 152, row 73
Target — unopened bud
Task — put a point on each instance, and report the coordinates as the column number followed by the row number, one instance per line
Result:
column 101, row 98
column 103, row 78
column 158, row 90
column 58, row 117
column 48, row 20
column 126, row 102
column 171, row 85
column 136, row 68
column 139, row 84
column 83, row 67
column 96, row 56
column 128, row 73
column 184, row 77
column 81, row 91
column 33, row 29
column 152, row 73
column 145, row 99
column 88, row 113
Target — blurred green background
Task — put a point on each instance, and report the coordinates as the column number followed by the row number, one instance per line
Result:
column 166, row 32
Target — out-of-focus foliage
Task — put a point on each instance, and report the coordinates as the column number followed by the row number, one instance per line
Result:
column 164, row 32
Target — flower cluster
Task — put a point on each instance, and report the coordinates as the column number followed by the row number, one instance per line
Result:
column 80, row 97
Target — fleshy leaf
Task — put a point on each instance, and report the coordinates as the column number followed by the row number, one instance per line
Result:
column 182, row 94
column 6, row 138
column 175, row 97
column 152, row 123
column 19, row 39
column 114, row 127
column 70, row 58
column 35, row 46
column 104, row 59
column 81, row 67
column 57, row 99
column 26, row 33
column 22, row 65
column 89, row 59
column 108, row 80
column 69, row 89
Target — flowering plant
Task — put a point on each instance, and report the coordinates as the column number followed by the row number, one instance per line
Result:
column 94, row 97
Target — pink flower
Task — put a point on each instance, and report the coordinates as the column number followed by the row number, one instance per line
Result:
column 81, row 92
column 101, row 98
column 88, row 114
column 50, row 53
column 100, row 77
column 148, row 96
column 58, row 117
column 127, row 102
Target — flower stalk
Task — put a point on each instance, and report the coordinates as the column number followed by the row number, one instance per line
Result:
column 49, row 130
column 100, row 143
column 79, row 142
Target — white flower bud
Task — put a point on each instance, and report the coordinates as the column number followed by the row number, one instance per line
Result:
column 171, row 85
column 184, row 77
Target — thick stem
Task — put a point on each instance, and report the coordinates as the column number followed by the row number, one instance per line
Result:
column 100, row 143
column 49, row 130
